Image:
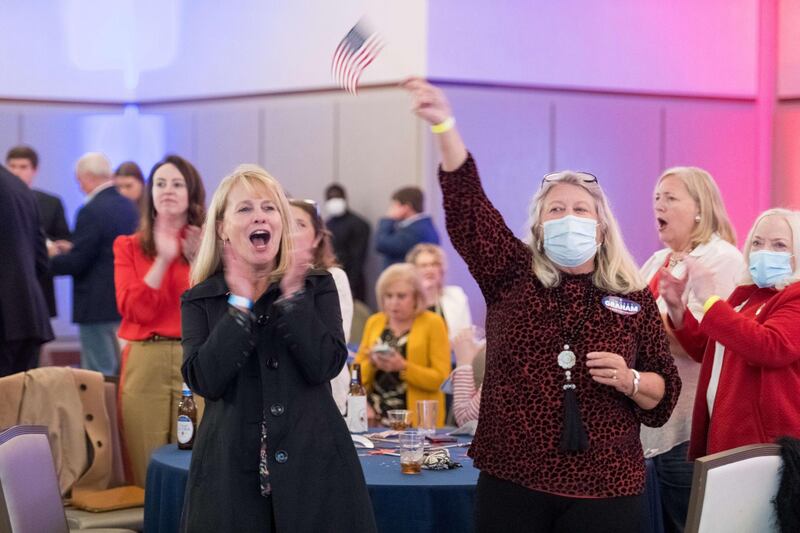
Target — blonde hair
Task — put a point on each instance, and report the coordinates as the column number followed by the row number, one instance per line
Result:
column 427, row 248
column 793, row 219
column 705, row 193
column 209, row 255
column 400, row 272
column 615, row 269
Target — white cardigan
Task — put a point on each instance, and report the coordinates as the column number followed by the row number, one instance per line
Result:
column 455, row 308
column 340, row 385
column 726, row 262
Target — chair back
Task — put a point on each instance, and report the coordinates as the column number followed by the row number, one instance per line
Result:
column 30, row 500
column 732, row 491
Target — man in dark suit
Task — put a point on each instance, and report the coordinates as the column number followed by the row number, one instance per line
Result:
column 24, row 324
column 350, row 238
column 105, row 216
column 404, row 226
column 24, row 162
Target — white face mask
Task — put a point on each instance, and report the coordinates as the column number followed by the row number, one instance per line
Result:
column 570, row 241
column 336, row 207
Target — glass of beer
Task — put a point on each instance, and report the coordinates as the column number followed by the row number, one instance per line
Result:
column 399, row 419
column 412, row 450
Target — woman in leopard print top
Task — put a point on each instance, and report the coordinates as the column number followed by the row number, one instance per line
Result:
column 536, row 475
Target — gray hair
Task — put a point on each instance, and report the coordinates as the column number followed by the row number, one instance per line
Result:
column 615, row 270
column 94, row 163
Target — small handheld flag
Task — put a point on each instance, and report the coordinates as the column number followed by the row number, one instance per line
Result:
column 355, row 52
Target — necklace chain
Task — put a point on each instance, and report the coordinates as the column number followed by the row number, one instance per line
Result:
column 570, row 336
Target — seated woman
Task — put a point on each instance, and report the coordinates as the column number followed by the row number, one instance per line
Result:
column 448, row 301
column 404, row 353
column 749, row 344
column 468, row 376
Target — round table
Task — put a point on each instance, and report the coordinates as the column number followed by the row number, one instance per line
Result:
column 437, row 501
column 432, row 501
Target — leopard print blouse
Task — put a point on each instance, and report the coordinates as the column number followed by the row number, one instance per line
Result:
column 521, row 412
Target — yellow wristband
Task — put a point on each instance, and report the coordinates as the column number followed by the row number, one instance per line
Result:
column 711, row 301
column 446, row 125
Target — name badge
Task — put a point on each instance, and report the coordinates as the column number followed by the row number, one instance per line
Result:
column 621, row 306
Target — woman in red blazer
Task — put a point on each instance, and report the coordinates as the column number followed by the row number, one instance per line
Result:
column 749, row 344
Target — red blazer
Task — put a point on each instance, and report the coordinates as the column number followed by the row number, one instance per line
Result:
column 758, row 395
column 146, row 311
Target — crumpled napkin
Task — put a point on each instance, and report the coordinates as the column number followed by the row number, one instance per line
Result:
column 439, row 460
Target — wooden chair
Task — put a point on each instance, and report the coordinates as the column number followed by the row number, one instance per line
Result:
column 732, row 491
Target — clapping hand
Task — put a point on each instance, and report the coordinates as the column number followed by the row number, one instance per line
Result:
column 239, row 275
column 292, row 282
column 465, row 347
column 701, row 279
column 166, row 241
column 190, row 242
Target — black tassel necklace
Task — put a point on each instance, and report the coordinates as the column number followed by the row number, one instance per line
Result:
column 573, row 434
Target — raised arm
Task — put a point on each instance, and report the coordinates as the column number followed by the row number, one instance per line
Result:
column 476, row 228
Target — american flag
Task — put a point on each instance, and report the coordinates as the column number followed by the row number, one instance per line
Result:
column 355, row 52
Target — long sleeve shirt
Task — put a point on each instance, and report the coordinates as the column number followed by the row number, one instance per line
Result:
column 756, row 397
column 147, row 311
column 521, row 414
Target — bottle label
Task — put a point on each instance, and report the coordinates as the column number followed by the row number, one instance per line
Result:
column 357, row 414
column 185, row 429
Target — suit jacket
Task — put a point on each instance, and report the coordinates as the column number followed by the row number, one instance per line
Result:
column 91, row 260
column 54, row 225
column 395, row 239
column 350, row 242
column 23, row 259
column 277, row 366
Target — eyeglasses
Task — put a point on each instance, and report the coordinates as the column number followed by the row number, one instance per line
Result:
column 586, row 177
column 313, row 204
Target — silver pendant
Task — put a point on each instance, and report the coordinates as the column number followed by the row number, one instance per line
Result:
column 566, row 359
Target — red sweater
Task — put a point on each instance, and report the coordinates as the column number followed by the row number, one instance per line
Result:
column 521, row 413
column 146, row 311
column 757, row 396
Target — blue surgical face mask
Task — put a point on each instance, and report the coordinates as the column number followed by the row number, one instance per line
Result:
column 767, row 268
column 570, row 241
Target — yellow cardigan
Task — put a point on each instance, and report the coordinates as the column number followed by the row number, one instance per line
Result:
column 427, row 357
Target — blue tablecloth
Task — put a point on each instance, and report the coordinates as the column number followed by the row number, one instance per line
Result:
column 428, row 502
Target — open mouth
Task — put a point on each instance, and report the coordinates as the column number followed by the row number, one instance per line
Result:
column 662, row 224
column 260, row 239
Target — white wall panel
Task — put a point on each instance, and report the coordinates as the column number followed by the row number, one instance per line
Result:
column 298, row 143
column 681, row 46
column 226, row 136
column 617, row 139
column 721, row 138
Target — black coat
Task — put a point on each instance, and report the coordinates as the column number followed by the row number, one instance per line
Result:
column 23, row 259
column 281, row 367
column 351, row 242
column 54, row 225
column 91, row 260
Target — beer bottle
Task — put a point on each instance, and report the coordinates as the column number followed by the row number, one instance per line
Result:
column 187, row 419
column 356, row 403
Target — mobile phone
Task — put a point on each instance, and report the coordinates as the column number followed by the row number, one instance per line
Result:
column 383, row 350
column 441, row 439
